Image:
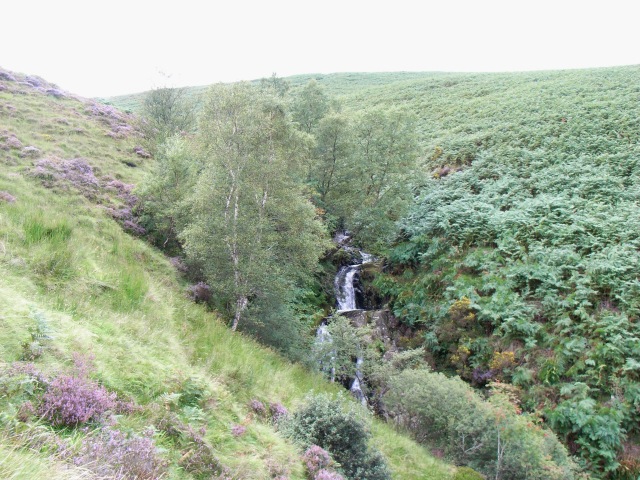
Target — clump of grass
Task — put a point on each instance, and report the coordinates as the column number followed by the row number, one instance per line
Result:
column 37, row 230
column 132, row 289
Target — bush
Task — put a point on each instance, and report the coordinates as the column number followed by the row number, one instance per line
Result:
column 491, row 436
column 466, row 473
column 113, row 454
column 73, row 399
column 70, row 401
column 315, row 459
column 278, row 412
column 325, row 423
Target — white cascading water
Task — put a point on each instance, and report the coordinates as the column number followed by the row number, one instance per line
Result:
column 356, row 386
column 345, row 290
column 323, row 336
column 345, row 285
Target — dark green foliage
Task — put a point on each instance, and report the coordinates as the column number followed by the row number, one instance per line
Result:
column 328, row 423
column 166, row 112
column 531, row 214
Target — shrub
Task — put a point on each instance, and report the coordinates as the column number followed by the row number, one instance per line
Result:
column 113, row 454
column 278, row 412
column 73, row 399
column 238, row 430
column 325, row 423
column 466, row 473
column 315, row 459
column 7, row 197
column 490, row 436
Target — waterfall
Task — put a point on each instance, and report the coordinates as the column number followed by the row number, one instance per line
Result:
column 356, row 386
column 323, row 336
column 345, row 286
column 345, row 283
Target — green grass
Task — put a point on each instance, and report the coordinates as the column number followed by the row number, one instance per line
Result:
column 105, row 293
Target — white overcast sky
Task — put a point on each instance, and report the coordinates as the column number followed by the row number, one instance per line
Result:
column 102, row 48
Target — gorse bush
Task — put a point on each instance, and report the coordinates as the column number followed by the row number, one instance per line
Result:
column 329, row 424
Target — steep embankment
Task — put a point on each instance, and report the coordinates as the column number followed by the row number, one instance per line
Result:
column 519, row 258
column 74, row 279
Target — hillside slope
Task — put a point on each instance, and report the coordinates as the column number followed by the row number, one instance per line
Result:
column 87, row 305
column 518, row 261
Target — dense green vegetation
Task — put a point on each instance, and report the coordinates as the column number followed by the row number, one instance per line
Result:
column 518, row 259
column 75, row 279
column 506, row 208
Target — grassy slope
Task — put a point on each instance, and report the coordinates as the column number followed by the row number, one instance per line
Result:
column 107, row 293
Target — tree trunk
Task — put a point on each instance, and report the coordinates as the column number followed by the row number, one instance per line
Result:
column 241, row 305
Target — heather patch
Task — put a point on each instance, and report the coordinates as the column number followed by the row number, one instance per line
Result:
column 278, row 412
column 9, row 141
column 327, row 475
column 119, row 123
column 30, row 151
column 258, row 408
column 315, row 459
column 54, row 92
column 6, row 76
column 7, row 197
column 114, row 454
column 116, row 196
column 34, row 81
column 74, row 399
column 141, row 152
column 76, row 173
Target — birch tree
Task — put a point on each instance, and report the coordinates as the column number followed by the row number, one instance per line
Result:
column 251, row 229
